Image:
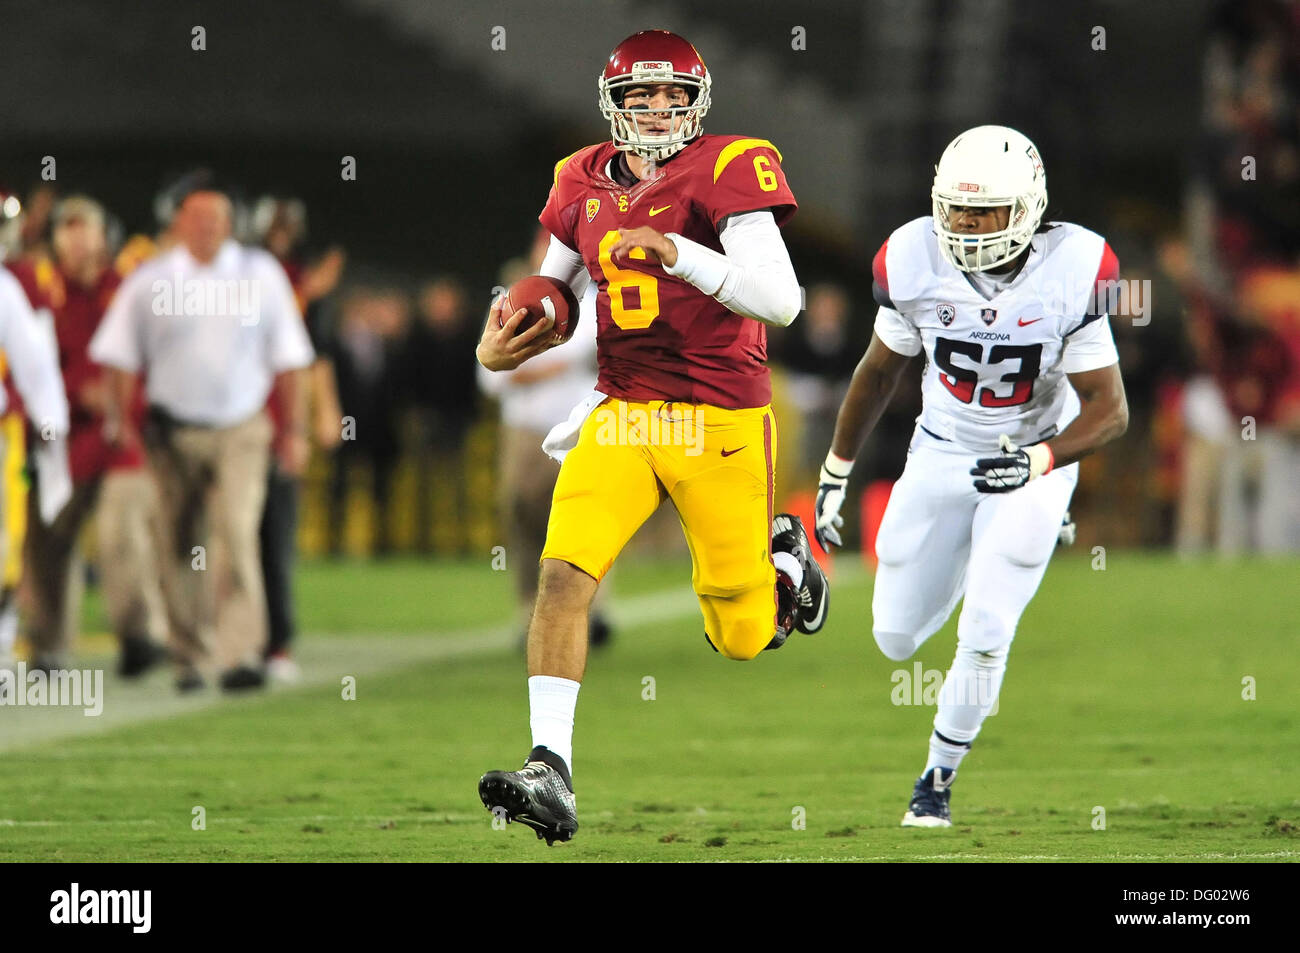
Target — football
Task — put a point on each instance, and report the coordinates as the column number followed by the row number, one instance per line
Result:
column 540, row 296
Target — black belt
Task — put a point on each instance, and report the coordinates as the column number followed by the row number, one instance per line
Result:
column 166, row 420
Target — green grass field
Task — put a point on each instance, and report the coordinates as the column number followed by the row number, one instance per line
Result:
column 1124, row 692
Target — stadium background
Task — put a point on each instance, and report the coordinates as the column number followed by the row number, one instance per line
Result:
column 455, row 142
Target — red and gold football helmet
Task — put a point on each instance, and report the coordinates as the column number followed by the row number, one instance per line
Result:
column 645, row 58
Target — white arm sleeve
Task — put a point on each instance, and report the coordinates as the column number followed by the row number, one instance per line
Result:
column 565, row 264
column 897, row 333
column 1090, row 348
column 33, row 359
column 754, row 278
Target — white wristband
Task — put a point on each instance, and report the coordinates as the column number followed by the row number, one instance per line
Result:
column 837, row 466
column 1041, row 460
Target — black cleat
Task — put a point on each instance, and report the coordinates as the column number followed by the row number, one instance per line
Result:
column 599, row 631
column 242, row 678
column 539, row 795
column 929, row 805
column 139, row 655
column 190, row 682
column 814, row 597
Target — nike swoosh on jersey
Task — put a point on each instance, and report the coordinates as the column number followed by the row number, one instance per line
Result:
column 727, row 453
column 656, row 211
column 1024, row 324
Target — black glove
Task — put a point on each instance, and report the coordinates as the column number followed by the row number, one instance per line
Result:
column 1009, row 471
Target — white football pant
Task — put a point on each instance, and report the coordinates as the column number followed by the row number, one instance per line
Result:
column 941, row 539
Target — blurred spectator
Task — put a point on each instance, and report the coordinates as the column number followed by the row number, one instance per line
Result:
column 534, row 398
column 1253, row 120
column 11, row 225
column 1268, row 391
column 366, row 353
column 1242, row 409
column 211, row 324
column 115, row 481
column 440, row 385
column 820, row 352
column 281, row 226
column 819, row 355
column 1254, row 481
column 36, row 223
column 32, row 393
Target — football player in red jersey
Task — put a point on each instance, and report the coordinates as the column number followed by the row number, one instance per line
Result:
column 681, row 233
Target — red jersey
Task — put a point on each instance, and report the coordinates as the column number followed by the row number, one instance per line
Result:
column 76, row 317
column 275, row 408
column 659, row 337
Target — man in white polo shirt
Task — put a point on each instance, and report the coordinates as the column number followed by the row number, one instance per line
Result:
column 533, row 400
column 212, row 325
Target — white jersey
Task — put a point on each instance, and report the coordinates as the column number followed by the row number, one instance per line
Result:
column 33, row 356
column 997, row 364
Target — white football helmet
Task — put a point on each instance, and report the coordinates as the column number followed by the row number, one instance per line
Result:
column 988, row 166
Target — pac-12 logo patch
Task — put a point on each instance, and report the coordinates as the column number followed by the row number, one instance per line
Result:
column 947, row 313
column 988, row 315
column 593, row 206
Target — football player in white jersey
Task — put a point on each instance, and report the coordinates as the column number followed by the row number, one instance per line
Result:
column 1021, row 380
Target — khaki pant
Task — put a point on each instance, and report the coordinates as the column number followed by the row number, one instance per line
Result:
column 1257, row 495
column 1199, row 495
column 127, row 505
column 527, row 480
column 212, row 484
column 127, row 524
column 526, row 484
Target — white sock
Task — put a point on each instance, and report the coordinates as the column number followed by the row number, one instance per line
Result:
column 551, row 702
column 786, row 563
column 969, row 693
column 945, row 755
